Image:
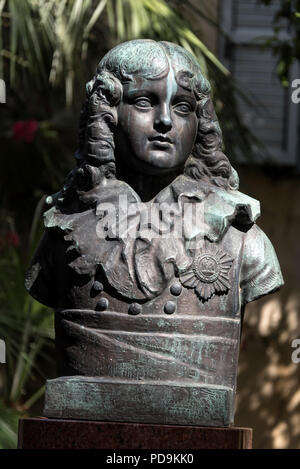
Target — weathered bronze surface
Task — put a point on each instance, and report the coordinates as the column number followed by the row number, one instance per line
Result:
column 150, row 252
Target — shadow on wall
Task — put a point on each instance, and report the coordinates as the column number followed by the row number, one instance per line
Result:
column 268, row 397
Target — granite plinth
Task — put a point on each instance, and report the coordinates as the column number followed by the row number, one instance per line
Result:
column 162, row 402
column 45, row 433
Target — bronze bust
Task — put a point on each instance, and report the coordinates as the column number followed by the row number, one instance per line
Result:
column 150, row 252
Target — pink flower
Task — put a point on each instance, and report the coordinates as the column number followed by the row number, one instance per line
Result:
column 25, row 130
column 13, row 239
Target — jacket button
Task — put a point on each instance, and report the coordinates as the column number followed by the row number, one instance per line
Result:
column 170, row 307
column 135, row 308
column 97, row 286
column 102, row 304
column 176, row 289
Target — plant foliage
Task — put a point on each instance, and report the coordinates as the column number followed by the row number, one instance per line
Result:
column 285, row 40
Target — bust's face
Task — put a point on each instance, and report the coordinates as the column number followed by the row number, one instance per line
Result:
column 157, row 125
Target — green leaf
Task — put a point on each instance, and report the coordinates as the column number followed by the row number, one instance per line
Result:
column 9, row 419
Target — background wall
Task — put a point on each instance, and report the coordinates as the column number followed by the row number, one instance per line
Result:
column 269, row 382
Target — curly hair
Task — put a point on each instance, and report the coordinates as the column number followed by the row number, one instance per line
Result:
column 98, row 119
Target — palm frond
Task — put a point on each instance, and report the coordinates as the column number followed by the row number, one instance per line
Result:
column 62, row 28
column 8, row 431
column 25, row 324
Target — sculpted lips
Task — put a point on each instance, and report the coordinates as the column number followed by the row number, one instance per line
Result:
column 161, row 141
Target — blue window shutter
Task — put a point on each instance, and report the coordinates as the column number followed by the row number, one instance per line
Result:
column 274, row 119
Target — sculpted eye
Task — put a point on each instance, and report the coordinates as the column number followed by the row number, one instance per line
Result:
column 143, row 103
column 183, row 108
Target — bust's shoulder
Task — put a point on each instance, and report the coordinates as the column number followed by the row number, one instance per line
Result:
column 260, row 273
column 258, row 245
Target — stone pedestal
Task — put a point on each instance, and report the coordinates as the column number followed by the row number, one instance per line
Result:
column 45, row 433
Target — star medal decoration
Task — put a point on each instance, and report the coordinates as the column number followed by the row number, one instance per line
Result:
column 208, row 273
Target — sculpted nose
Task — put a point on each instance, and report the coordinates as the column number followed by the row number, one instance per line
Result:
column 163, row 121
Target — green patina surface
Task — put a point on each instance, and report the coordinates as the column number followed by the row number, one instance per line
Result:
column 153, row 402
column 133, row 367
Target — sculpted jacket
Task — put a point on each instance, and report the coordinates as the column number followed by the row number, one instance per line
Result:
column 153, row 291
